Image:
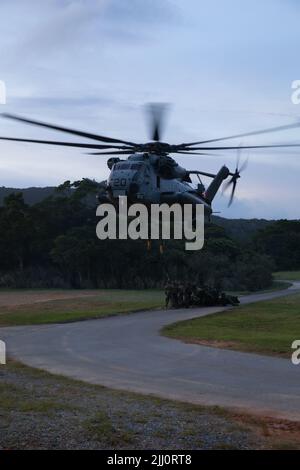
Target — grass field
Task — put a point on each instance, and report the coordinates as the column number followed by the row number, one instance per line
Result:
column 102, row 303
column 290, row 275
column 267, row 327
column 39, row 306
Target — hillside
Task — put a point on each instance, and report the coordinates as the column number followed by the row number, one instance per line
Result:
column 239, row 229
column 31, row 195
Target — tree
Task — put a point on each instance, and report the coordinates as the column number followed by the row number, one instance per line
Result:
column 16, row 232
column 281, row 241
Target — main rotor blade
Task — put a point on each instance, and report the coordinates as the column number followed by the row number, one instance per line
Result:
column 197, row 153
column 65, row 144
column 247, row 134
column 122, row 152
column 87, row 135
column 157, row 112
column 242, row 147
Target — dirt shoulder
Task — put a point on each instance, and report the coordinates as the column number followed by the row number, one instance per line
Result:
column 25, row 297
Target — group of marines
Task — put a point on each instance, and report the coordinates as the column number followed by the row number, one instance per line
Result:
column 185, row 295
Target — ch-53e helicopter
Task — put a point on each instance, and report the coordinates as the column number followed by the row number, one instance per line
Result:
column 149, row 175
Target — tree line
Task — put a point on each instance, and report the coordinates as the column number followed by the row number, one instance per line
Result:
column 53, row 244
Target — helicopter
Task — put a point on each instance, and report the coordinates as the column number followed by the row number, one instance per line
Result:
column 149, row 174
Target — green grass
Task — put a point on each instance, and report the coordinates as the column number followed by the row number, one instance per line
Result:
column 290, row 275
column 267, row 327
column 104, row 303
column 100, row 428
column 13, row 398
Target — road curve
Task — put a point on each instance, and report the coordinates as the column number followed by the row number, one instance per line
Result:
column 128, row 353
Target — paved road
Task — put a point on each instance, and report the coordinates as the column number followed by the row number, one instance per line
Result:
column 127, row 352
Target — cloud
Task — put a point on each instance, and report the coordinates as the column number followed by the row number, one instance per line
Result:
column 80, row 27
column 93, row 64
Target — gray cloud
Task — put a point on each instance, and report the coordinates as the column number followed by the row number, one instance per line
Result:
column 93, row 64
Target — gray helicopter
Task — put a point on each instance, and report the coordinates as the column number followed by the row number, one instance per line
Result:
column 156, row 178
column 149, row 174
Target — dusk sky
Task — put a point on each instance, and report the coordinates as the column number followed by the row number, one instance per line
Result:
column 224, row 66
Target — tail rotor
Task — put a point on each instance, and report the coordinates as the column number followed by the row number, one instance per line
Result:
column 234, row 177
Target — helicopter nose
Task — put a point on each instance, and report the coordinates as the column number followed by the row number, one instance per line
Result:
column 133, row 188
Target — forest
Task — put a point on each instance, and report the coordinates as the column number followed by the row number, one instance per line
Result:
column 52, row 243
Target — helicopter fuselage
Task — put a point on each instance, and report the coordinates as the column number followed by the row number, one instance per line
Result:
column 152, row 179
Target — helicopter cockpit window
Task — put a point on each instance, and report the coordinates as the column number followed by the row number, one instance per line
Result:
column 128, row 166
column 122, row 166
